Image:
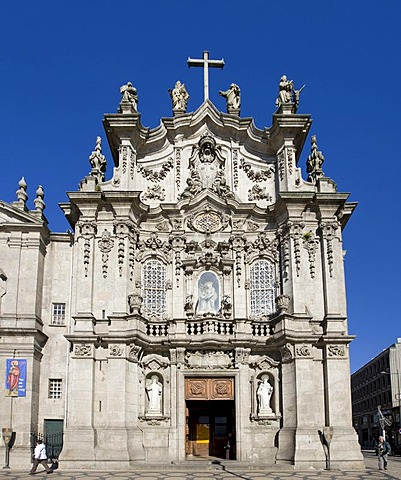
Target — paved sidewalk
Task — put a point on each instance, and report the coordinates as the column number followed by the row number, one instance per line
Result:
column 216, row 472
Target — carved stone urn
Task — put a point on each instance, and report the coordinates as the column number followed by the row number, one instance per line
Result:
column 283, row 303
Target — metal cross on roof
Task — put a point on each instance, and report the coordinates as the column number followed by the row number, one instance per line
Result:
column 205, row 62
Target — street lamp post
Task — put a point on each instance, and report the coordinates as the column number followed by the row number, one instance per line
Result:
column 397, row 396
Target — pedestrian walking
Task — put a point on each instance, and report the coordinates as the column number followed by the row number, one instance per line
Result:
column 383, row 449
column 40, row 456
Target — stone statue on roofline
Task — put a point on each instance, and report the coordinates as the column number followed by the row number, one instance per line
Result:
column 287, row 95
column 179, row 97
column 233, row 99
column 129, row 100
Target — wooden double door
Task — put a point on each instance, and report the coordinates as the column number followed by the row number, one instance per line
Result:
column 210, row 428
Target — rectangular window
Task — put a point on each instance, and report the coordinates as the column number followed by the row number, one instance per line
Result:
column 58, row 314
column 55, row 385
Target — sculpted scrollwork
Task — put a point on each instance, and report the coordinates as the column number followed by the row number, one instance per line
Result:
column 155, row 192
column 303, row 351
column 82, row 350
column 336, row 350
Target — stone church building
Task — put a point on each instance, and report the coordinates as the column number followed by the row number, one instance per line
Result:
column 197, row 307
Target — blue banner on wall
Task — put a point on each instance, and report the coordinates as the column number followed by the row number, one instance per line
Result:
column 15, row 377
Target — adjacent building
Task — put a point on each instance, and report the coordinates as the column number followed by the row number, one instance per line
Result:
column 199, row 298
column 377, row 386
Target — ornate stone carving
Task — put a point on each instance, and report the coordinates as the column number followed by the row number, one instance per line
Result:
column 116, row 351
column 283, row 303
column 259, row 193
column 106, row 244
column 154, row 245
column 209, row 360
column 205, row 222
column 281, row 164
column 252, row 226
column 233, row 99
column 82, row 350
column 290, row 159
column 242, row 355
column 133, row 352
column 287, row 352
column 135, row 303
column 87, row 229
column 256, row 176
column 154, row 362
column 328, row 230
column 163, row 226
column 310, row 244
column 314, row 162
column 263, row 363
column 153, row 176
column 295, row 229
column 206, row 169
column 238, row 244
column 98, row 162
column 235, row 167
column 155, row 192
column 178, row 167
column 264, row 246
column 264, row 393
column 336, row 350
column 121, row 230
column 129, row 100
column 303, row 351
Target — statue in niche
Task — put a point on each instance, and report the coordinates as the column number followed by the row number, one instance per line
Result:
column 129, row 95
column 208, row 294
column 264, row 394
column 179, row 97
column 233, row 98
column 154, row 390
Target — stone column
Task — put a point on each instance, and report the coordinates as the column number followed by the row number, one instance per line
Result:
column 345, row 450
column 79, row 438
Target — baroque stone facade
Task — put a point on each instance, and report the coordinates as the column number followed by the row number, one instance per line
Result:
column 199, row 294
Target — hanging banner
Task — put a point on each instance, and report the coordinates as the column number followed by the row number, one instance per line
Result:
column 15, row 377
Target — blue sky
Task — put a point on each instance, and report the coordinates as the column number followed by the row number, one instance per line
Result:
column 62, row 63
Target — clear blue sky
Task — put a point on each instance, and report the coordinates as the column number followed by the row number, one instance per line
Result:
column 62, row 63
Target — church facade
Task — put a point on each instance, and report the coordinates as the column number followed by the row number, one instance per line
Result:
column 197, row 307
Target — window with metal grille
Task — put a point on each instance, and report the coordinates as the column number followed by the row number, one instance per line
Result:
column 55, row 388
column 262, row 287
column 58, row 314
column 154, row 287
